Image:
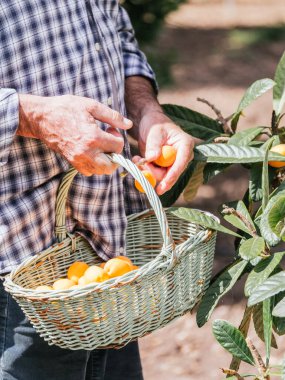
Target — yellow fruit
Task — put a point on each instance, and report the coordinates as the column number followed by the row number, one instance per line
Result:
column 83, row 281
column 149, row 176
column 43, row 287
column 63, row 284
column 95, row 274
column 125, row 258
column 117, row 267
column 135, row 267
column 102, row 265
column 74, row 287
column 76, row 270
column 167, row 157
column 281, row 150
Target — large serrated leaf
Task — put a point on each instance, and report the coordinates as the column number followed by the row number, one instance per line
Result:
column 267, row 327
column 266, row 230
column 243, row 138
column 261, row 272
column 279, row 322
column 273, row 285
column 279, row 309
column 196, row 180
column 257, row 89
column 265, row 179
column 232, row 340
column 220, row 285
column 235, row 221
column 201, row 218
column 231, row 154
column 279, row 89
column 251, row 248
column 257, row 317
column 255, row 182
column 193, row 122
column 276, row 216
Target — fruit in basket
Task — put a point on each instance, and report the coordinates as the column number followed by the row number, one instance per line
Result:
column 43, row 287
column 102, row 265
column 125, row 258
column 117, row 267
column 63, row 284
column 83, row 281
column 76, row 270
column 95, row 274
column 167, row 156
column 135, row 267
column 280, row 148
column 149, row 176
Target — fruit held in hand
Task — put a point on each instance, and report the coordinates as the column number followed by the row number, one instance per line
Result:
column 280, row 148
column 167, row 157
column 76, row 270
column 149, row 176
column 117, row 267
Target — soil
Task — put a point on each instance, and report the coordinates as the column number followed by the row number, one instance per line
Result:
column 220, row 48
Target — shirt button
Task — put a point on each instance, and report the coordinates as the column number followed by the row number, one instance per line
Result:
column 97, row 46
column 109, row 101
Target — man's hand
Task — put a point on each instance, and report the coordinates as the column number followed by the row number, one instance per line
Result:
column 156, row 130
column 67, row 124
column 152, row 129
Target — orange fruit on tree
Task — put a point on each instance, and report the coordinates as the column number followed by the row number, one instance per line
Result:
column 167, row 157
column 76, row 270
column 43, row 287
column 117, row 267
column 63, row 284
column 280, row 148
column 95, row 274
column 149, row 176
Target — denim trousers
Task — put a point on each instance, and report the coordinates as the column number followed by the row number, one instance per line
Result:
column 24, row 355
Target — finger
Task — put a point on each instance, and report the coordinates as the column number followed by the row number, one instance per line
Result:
column 155, row 140
column 97, row 163
column 107, row 115
column 184, row 156
column 109, row 142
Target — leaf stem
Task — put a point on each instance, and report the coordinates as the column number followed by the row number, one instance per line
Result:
column 232, row 372
column 258, row 359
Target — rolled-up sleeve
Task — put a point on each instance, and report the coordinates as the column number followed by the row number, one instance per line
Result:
column 9, row 121
column 135, row 62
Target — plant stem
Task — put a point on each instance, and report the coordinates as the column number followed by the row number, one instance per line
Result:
column 258, row 359
column 227, row 129
column 229, row 210
column 232, row 372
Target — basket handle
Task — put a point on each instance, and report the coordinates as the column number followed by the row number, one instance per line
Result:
column 60, row 215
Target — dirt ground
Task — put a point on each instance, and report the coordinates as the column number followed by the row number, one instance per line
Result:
column 220, row 48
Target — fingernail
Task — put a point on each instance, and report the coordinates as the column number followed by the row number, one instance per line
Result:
column 128, row 122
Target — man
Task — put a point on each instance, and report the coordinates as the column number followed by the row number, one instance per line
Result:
column 70, row 71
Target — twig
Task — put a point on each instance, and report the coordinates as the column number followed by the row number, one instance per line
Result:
column 227, row 129
column 232, row 372
column 258, row 359
column 221, row 139
column 231, row 211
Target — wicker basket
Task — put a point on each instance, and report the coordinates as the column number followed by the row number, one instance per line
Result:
column 175, row 259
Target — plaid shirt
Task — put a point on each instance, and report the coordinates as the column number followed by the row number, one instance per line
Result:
column 56, row 47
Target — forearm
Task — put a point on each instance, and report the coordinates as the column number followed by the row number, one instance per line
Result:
column 140, row 99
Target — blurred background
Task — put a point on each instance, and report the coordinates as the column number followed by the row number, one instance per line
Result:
column 214, row 50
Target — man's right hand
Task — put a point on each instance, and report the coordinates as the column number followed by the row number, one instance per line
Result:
column 68, row 125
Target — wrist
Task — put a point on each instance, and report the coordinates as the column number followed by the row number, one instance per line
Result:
column 30, row 115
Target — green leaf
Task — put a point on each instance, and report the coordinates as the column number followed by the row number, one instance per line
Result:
column 231, row 154
column 276, row 216
column 171, row 196
column 267, row 327
column 255, row 182
column 279, row 309
column 268, row 224
column 279, row 89
column 212, row 169
column 195, row 182
column 235, row 221
column 273, row 285
column 240, row 207
column 257, row 317
column 200, row 218
column 251, row 248
column 193, row 122
column 219, row 286
column 265, row 179
column 257, row 89
column 279, row 322
column 232, row 340
column 261, row 272
column 243, row 138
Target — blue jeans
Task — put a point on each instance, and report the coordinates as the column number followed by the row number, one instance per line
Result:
column 24, row 355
